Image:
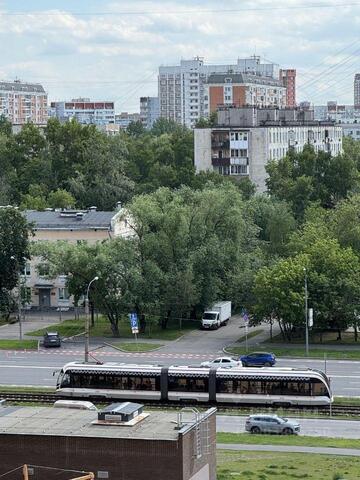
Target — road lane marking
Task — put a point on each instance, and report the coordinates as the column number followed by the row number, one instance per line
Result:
column 29, row 366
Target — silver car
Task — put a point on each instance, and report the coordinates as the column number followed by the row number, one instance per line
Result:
column 271, row 424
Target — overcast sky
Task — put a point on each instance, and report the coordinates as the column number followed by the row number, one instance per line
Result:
column 112, row 49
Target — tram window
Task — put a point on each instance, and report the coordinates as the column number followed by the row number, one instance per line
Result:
column 113, row 381
column 318, row 388
column 184, row 384
column 255, row 387
column 65, row 381
column 295, row 388
column 225, row 386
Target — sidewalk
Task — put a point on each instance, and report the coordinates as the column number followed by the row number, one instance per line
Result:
column 352, row 452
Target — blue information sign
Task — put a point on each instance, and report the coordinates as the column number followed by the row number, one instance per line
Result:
column 134, row 321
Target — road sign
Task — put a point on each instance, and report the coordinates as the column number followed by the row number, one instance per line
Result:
column 245, row 317
column 311, row 317
column 134, row 322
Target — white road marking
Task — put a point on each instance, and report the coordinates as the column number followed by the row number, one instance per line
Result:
column 29, row 366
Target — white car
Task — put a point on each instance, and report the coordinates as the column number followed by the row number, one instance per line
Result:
column 222, row 362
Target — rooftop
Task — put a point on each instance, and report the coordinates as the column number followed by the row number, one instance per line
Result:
column 242, row 78
column 18, row 86
column 70, row 219
column 78, row 423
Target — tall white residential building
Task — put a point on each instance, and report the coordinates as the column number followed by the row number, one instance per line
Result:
column 246, row 139
column 182, row 91
column 84, row 111
column 22, row 102
column 149, row 111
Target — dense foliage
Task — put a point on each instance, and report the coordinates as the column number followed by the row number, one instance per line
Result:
column 196, row 238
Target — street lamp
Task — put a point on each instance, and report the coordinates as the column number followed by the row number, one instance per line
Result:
column 19, row 300
column 87, row 326
column 306, row 315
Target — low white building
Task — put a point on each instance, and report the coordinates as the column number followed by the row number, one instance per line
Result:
column 246, row 139
column 73, row 226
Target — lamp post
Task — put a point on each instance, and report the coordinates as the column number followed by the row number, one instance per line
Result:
column 18, row 300
column 87, row 326
column 306, row 315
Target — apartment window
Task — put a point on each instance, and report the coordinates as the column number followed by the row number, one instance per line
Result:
column 63, row 293
column 227, row 98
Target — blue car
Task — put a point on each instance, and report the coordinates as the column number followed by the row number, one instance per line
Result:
column 258, row 359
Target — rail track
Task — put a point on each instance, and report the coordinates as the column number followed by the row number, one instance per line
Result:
column 50, row 398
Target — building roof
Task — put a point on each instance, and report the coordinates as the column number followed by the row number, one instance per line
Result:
column 70, row 219
column 22, row 87
column 217, row 78
column 79, row 423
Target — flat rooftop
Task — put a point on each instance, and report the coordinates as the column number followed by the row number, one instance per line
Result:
column 51, row 421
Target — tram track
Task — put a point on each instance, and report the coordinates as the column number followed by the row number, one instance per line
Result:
column 50, row 398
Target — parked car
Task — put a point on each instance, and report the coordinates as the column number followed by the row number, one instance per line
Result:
column 258, row 359
column 260, row 423
column 222, row 362
column 52, row 339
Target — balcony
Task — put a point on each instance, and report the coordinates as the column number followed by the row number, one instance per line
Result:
column 220, row 162
column 225, row 144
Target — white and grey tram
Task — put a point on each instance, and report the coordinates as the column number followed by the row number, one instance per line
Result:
column 268, row 386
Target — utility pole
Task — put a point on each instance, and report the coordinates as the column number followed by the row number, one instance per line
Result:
column 306, row 316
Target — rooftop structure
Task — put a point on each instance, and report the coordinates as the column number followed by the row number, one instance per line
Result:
column 156, row 448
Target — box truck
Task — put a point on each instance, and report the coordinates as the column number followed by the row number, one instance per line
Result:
column 217, row 315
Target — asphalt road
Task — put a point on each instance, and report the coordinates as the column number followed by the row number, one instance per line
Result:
column 36, row 368
column 312, row 427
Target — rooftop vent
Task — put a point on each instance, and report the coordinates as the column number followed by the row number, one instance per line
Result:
column 126, row 413
column 79, row 216
column 93, row 208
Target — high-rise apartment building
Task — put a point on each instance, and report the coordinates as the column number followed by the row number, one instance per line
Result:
column 241, row 89
column 22, row 102
column 84, row 111
column 149, row 111
column 357, row 90
column 288, row 79
column 182, row 87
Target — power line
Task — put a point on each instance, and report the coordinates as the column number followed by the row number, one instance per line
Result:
column 189, row 12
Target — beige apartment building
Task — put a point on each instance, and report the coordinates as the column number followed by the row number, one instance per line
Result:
column 70, row 226
column 22, row 102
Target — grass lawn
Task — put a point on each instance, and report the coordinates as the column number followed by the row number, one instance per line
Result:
column 18, row 344
column 300, row 352
column 17, row 389
column 137, row 347
column 250, row 335
column 285, row 466
column 299, row 440
column 328, row 338
column 68, row 328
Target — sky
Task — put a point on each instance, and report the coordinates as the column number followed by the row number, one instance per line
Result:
column 111, row 50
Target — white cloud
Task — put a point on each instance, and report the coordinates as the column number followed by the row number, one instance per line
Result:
column 81, row 54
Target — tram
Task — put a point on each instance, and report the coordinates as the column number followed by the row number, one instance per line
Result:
column 238, row 385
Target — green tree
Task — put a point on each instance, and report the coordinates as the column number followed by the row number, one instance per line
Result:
column 60, row 199
column 14, row 250
column 305, row 177
column 136, row 129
